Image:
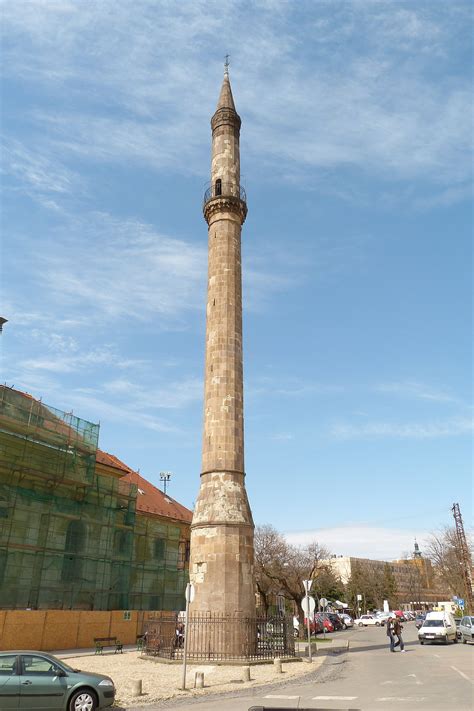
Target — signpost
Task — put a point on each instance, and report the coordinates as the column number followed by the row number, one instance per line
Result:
column 308, row 606
column 189, row 598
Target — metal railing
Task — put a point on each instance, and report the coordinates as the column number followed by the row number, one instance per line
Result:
column 217, row 637
column 219, row 189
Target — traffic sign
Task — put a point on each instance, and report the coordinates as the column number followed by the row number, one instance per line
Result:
column 461, row 603
column 307, row 585
column 308, row 606
column 323, row 602
column 189, row 593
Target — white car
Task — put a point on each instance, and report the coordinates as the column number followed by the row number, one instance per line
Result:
column 346, row 620
column 365, row 620
column 438, row 627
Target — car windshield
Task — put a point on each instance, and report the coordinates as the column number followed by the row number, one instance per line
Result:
column 433, row 623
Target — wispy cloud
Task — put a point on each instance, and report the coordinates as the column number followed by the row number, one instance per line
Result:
column 417, row 390
column 374, row 106
column 364, row 541
column 379, row 430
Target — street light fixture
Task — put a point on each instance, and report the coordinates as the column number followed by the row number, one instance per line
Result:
column 165, row 477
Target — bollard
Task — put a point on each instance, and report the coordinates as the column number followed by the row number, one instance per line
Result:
column 277, row 665
column 245, row 673
column 136, row 687
column 199, row 680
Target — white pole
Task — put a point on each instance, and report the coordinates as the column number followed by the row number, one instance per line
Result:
column 309, row 634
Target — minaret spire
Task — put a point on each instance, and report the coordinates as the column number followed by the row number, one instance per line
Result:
column 222, row 557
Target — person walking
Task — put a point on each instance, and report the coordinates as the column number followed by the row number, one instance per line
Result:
column 397, row 630
column 390, row 633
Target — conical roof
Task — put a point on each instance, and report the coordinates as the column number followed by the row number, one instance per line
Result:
column 226, row 100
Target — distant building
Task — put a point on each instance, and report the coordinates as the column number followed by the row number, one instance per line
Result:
column 79, row 529
column 417, row 585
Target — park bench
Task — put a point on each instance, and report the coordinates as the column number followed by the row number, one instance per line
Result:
column 101, row 642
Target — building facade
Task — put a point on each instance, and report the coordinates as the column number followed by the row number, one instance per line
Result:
column 79, row 529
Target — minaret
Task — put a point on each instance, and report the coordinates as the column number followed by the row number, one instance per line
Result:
column 221, row 566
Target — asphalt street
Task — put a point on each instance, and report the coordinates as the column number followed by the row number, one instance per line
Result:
column 368, row 677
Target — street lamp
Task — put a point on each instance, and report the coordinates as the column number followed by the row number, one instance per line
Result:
column 165, row 477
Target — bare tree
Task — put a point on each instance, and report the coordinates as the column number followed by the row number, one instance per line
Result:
column 281, row 567
column 442, row 549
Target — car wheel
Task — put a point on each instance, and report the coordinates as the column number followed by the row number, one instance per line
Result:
column 361, row 624
column 464, row 640
column 421, row 641
column 344, row 626
column 83, row 700
column 377, row 624
column 446, row 640
column 455, row 640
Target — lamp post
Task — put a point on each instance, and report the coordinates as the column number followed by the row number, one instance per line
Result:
column 165, row 477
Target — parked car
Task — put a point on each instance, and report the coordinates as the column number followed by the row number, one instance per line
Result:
column 457, row 621
column 325, row 621
column 346, row 620
column 365, row 620
column 383, row 616
column 419, row 619
column 438, row 627
column 335, row 621
column 466, row 628
column 409, row 615
column 37, row 680
column 315, row 626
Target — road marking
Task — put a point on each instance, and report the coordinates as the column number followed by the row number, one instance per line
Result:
column 401, row 698
column 280, row 696
column 419, row 683
column 464, row 676
column 334, row 698
column 382, row 683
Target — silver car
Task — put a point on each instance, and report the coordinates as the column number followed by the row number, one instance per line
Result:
column 466, row 629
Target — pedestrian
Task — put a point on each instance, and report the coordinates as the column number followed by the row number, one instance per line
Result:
column 397, row 630
column 390, row 633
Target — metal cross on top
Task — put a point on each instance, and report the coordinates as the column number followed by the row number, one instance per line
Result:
column 226, row 64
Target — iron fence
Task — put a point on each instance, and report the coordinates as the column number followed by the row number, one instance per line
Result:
column 218, row 637
column 220, row 189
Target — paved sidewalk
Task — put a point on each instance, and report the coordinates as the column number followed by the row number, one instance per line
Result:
column 162, row 681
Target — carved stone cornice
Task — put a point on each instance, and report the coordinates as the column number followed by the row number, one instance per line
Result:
column 227, row 117
column 225, row 203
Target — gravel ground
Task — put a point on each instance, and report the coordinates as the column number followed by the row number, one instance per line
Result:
column 162, row 681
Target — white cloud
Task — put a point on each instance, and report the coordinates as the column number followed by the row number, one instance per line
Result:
column 364, row 541
column 370, row 105
column 380, row 430
column 417, row 390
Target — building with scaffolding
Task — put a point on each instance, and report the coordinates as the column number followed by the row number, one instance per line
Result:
column 79, row 529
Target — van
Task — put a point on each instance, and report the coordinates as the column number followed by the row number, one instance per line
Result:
column 438, row 627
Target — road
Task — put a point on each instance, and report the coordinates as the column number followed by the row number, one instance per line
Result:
column 368, row 677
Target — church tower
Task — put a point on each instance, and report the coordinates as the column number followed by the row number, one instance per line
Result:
column 221, row 566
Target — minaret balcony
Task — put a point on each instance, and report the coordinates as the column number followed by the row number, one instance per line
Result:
column 224, row 196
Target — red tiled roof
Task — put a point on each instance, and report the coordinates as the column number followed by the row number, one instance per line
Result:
column 150, row 499
column 110, row 461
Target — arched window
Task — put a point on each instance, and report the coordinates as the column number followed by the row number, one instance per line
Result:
column 218, row 187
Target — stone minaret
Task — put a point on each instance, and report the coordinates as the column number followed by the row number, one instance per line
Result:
column 221, row 566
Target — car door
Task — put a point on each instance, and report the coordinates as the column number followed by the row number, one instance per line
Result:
column 9, row 682
column 41, row 684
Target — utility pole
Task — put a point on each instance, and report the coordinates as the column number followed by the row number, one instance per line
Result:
column 464, row 556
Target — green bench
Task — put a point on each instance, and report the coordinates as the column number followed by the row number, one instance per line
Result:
column 101, row 642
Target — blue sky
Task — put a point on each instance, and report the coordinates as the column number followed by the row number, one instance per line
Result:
column 356, row 159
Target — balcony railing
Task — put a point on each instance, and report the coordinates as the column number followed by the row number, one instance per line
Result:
column 219, row 189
